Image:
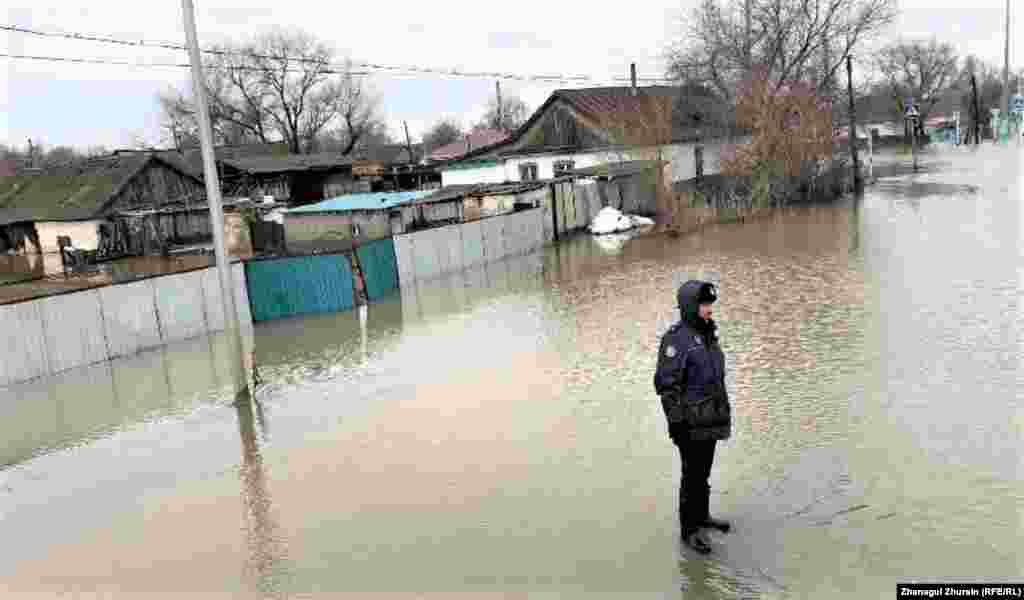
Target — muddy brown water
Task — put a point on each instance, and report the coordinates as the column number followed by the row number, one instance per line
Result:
column 498, row 432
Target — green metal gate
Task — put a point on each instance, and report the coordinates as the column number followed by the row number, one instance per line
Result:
column 286, row 287
column 380, row 268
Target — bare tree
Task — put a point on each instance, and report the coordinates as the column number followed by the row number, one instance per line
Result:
column 790, row 40
column 923, row 70
column 514, row 112
column 444, row 132
column 281, row 85
column 990, row 90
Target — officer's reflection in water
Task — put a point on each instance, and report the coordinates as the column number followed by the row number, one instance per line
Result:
column 690, row 379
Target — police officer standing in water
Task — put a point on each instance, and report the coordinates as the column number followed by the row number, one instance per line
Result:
column 691, row 383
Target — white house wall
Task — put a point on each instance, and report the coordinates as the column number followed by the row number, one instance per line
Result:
column 683, row 164
column 84, row 234
column 464, row 176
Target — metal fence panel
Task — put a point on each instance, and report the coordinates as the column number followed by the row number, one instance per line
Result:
column 425, row 255
column 380, row 271
column 74, row 330
column 24, row 343
column 405, row 260
column 214, row 304
column 472, row 244
column 494, row 242
column 452, row 238
column 179, row 304
column 129, row 318
column 299, row 285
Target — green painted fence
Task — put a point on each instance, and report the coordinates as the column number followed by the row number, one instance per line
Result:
column 285, row 287
column 380, row 269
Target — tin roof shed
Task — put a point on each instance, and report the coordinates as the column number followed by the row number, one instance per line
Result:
column 372, row 201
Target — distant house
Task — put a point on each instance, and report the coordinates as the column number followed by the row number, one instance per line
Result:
column 301, row 179
column 295, row 178
column 478, row 138
column 582, row 128
column 490, row 199
column 124, row 203
column 391, row 167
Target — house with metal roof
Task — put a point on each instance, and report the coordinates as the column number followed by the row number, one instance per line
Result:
column 340, row 223
column 301, row 179
column 580, row 128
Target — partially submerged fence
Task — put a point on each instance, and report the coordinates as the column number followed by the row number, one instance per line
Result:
column 432, row 253
column 57, row 333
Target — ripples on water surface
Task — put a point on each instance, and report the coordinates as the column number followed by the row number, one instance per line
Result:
column 498, row 430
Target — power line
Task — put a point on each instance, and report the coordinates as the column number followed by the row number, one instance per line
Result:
column 363, row 65
column 124, row 63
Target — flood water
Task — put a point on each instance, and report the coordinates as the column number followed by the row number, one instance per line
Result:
column 498, row 431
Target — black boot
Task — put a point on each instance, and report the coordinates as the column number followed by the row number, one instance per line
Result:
column 698, row 542
column 718, row 524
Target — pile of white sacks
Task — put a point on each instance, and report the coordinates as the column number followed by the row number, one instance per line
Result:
column 610, row 220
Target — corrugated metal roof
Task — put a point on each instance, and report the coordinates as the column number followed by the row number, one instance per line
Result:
column 455, row 192
column 289, row 163
column 373, row 201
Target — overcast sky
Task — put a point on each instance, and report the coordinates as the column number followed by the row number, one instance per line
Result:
column 85, row 105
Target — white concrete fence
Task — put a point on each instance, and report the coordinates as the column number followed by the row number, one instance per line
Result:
column 51, row 335
column 432, row 253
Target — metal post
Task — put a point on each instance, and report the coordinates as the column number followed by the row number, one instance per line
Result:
column 871, row 156
column 913, row 143
column 213, row 197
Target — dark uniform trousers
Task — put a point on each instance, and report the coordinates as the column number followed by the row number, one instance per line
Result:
column 696, row 457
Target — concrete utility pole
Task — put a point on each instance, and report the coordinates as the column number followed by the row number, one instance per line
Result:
column 858, row 179
column 213, row 197
column 501, row 122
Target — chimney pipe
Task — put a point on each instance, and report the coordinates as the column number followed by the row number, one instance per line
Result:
column 632, row 76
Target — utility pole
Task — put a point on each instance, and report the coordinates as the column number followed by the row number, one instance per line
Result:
column 977, row 111
column 748, row 47
column 231, row 322
column 501, row 121
column 858, row 180
column 632, row 77
column 408, row 142
column 1005, row 107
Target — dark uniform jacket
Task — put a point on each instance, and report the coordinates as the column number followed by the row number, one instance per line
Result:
column 690, row 377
